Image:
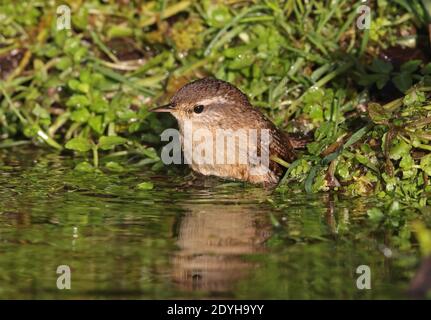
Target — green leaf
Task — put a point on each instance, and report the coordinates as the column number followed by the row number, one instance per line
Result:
column 356, row 136
column 366, row 162
column 77, row 85
column 394, row 207
column 218, row 15
column 424, row 237
column 99, row 105
column 80, row 115
column 31, row 130
column 71, row 45
column 242, row 61
column 73, row 84
column 410, row 66
column 80, row 18
column 381, row 81
column 145, row 186
column 84, row 167
column 426, row 164
column 119, row 31
column 85, row 76
column 107, row 143
column 369, row 79
column 377, row 113
column 403, row 81
column 63, row 63
column 40, row 112
column 236, row 51
column 78, row 101
column 407, row 162
column 79, row 144
column 380, row 66
column 96, row 123
column 114, row 166
column 150, row 153
column 399, row 150
column 310, row 179
column 375, row 214
column 427, row 69
column 80, row 54
column 414, row 98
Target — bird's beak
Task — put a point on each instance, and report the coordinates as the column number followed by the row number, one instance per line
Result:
column 165, row 108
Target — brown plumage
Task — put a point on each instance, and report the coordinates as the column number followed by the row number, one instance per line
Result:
column 213, row 104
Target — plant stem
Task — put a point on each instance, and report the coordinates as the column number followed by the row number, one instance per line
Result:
column 280, row 161
column 95, row 157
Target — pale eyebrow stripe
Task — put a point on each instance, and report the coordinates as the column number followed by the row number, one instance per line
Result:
column 213, row 100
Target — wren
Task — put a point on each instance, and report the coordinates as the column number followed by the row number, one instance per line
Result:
column 218, row 106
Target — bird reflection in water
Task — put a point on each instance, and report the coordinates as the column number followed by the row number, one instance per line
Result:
column 213, row 240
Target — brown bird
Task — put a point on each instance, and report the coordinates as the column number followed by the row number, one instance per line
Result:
column 217, row 106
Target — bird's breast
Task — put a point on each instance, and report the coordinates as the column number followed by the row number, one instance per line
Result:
column 240, row 153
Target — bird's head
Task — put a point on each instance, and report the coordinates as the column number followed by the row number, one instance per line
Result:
column 207, row 102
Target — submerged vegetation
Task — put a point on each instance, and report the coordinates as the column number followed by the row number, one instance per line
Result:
column 361, row 98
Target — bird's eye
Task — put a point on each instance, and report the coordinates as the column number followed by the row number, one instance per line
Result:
column 198, row 108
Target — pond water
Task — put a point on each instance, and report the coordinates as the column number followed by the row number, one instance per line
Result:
column 205, row 240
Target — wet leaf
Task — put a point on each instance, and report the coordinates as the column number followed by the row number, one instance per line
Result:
column 108, row 143
column 79, row 144
column 145, row 186
column 218, row 15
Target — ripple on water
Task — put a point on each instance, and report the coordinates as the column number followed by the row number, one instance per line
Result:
column 205, row 239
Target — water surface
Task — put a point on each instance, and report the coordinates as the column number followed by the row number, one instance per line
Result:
column 205, row 240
